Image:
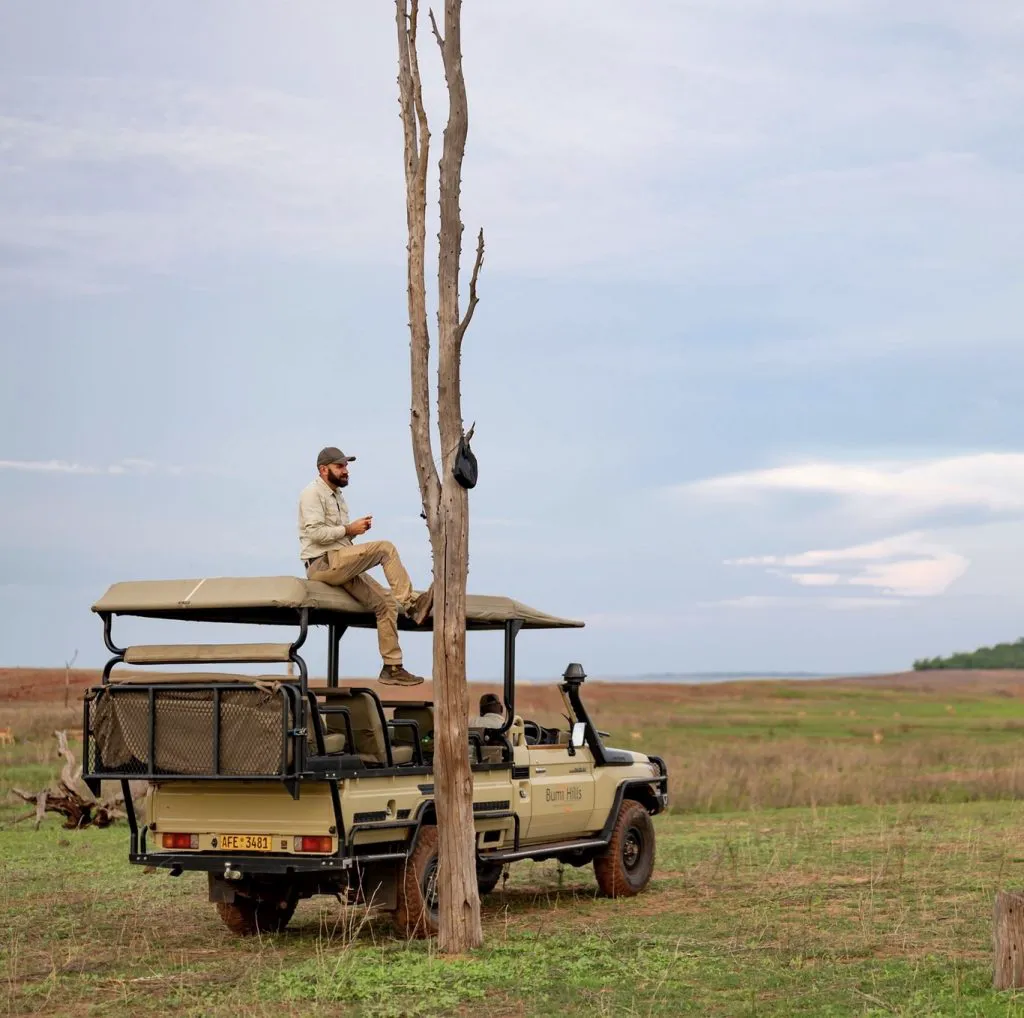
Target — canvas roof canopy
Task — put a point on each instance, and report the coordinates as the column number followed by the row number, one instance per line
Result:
column 276, row 600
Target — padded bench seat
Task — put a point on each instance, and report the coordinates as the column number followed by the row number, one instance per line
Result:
column 334, row 742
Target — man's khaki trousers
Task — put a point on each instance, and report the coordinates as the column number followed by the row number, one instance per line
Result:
column 346, row 567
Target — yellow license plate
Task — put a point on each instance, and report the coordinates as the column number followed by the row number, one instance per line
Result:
column 245, row 842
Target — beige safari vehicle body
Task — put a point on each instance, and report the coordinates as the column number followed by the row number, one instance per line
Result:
column 280, row 788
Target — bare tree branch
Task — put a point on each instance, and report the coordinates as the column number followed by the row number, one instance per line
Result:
column 69, row 777
column 437, row 32
column 406, row 24
column 416, row 134
column 421, row 113
column 473, row 299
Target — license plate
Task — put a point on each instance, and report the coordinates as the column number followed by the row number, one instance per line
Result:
column 245, row 842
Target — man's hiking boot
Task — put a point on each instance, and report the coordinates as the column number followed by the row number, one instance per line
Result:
column 396, row 675
column 420, row 608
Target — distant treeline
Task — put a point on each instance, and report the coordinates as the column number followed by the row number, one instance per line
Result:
column 1002, row 655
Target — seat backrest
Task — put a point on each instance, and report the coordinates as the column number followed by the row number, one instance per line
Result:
column 424, row 718
column 367, row 729
column 516, row 733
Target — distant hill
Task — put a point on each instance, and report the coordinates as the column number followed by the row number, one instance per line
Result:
column 1002, row 655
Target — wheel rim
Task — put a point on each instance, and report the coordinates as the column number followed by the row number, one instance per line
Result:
column 430, row 888
column 632, row 849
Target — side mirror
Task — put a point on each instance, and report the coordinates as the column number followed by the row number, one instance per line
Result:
column 579, row 735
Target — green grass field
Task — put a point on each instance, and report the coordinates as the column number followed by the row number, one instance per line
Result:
column 881, row 906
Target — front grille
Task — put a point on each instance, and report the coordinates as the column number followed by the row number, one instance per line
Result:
column 491, row 807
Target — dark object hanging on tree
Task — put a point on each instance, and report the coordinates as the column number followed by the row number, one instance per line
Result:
column 465, row 468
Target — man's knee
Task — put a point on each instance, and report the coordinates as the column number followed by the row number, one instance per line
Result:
column 376, row 551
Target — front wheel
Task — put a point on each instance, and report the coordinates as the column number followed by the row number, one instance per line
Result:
column 624, row 868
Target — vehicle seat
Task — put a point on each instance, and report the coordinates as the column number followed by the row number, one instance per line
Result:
column 424, row 718
column 334, row 742
column 335, row 736
column 515, row 733
column 368, row 733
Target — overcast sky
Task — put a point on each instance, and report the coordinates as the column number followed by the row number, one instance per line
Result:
column 747, row 368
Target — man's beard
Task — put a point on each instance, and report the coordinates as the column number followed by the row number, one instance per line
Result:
column 339, row 481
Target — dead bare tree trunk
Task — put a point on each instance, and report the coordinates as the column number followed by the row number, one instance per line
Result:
column 445, row 501
column 1008, row 940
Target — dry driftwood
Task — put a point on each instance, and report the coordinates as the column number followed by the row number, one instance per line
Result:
column 70, row 797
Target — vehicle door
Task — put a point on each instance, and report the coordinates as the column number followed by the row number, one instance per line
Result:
column 561, row 792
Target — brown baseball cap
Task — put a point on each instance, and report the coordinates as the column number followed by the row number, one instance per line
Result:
column 332, row 454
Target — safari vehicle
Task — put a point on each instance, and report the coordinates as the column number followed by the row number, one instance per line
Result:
column 280, row 788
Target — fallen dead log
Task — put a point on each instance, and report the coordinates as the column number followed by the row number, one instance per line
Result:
column 71, row 797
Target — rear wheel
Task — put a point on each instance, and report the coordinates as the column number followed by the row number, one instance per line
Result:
column 487, row 875
column 417, row 914
column 270, row 912
column 625, row 866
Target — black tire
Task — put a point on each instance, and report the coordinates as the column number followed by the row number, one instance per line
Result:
column 417, row 914
column 249, row 916
column 487, row 875
column 624, row 868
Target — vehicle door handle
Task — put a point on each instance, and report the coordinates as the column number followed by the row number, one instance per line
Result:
column 540, row 770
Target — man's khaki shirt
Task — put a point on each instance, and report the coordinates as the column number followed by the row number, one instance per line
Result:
column 323, row 517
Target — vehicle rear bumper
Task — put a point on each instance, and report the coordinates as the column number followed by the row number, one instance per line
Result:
column 245, row 863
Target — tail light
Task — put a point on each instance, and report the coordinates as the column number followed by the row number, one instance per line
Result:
column 181, row 841
column 314, row 844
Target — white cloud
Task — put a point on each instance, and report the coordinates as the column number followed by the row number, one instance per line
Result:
column 125, row 466
column 914, row 564
column 907, row 565
column 885, row 488
column 740, row 136
column 828, row 603
column 816, row 579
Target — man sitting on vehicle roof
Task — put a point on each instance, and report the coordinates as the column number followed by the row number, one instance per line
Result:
column 325, row 544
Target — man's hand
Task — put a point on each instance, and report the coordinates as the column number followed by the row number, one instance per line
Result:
column 360, row 526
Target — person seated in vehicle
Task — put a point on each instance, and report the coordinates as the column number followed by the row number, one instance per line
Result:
column 492, row 713
column 330, row 556
column 485, row 729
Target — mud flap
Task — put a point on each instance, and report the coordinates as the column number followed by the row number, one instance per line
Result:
column 221, row 889
column 378, row 885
